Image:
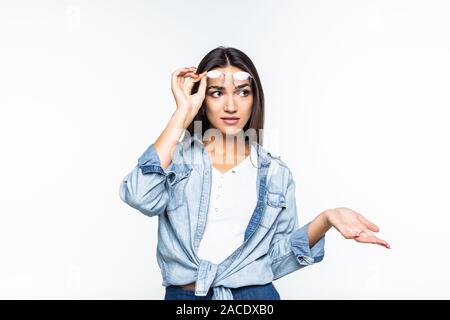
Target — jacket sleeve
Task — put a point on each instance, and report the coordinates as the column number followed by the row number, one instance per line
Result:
column 145, row 188
column 289, row 249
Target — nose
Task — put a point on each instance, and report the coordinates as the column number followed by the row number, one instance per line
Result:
column 230, row 106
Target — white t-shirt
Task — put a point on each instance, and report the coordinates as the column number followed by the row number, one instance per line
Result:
column 232, row 202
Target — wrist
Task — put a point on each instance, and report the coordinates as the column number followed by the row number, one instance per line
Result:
column 326, row 218
column 180, row 116
column 182, row 111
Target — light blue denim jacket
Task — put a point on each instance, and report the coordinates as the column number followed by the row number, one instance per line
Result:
column 273, row 244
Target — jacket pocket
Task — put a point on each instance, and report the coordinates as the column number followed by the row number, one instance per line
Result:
column 275, row 202
column 177, row 187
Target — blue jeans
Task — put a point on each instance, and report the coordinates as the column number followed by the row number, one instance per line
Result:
column 258, row 292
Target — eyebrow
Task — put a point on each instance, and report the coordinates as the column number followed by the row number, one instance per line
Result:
column 223, row 88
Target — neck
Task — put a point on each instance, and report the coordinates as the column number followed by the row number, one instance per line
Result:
column 228, row 150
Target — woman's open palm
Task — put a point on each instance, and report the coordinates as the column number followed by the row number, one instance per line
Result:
column 353, row 225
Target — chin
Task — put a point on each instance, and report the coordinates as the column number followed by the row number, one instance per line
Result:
column 230, row 130
column 227, row 129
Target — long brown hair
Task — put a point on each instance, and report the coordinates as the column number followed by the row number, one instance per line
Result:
column 222, row 57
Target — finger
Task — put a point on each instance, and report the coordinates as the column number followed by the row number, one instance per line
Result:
column 190, row 74
column 201, row 76
column 196, row 79
column 182, row 78
column 356, row 230
column 177, row 76
column 350, row 232
column 187, row 86
column 366, row 233
column 369, row 237
column 202, row 87
column 181, row 71
column 203, row 83
column 373, row 227
column 189, row 80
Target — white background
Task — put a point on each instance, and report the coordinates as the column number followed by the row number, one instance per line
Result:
column 357, row 97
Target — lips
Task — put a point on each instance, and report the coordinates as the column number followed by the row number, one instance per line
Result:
column 230, row 120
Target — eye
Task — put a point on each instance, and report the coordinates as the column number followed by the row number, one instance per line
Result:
column 246, row 92
column 212, row 93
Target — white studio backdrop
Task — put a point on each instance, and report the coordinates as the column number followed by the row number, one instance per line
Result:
column 357, row 105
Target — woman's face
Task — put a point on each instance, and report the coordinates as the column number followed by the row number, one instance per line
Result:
column 228, row 101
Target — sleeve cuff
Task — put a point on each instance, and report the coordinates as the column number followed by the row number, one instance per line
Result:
column 149, row 162
column 300, row 246
column 149, row 157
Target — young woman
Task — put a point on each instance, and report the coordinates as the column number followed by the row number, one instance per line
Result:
column 226, row 206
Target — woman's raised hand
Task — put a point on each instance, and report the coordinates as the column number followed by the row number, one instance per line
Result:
column 353, row 225
column 182, row 82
